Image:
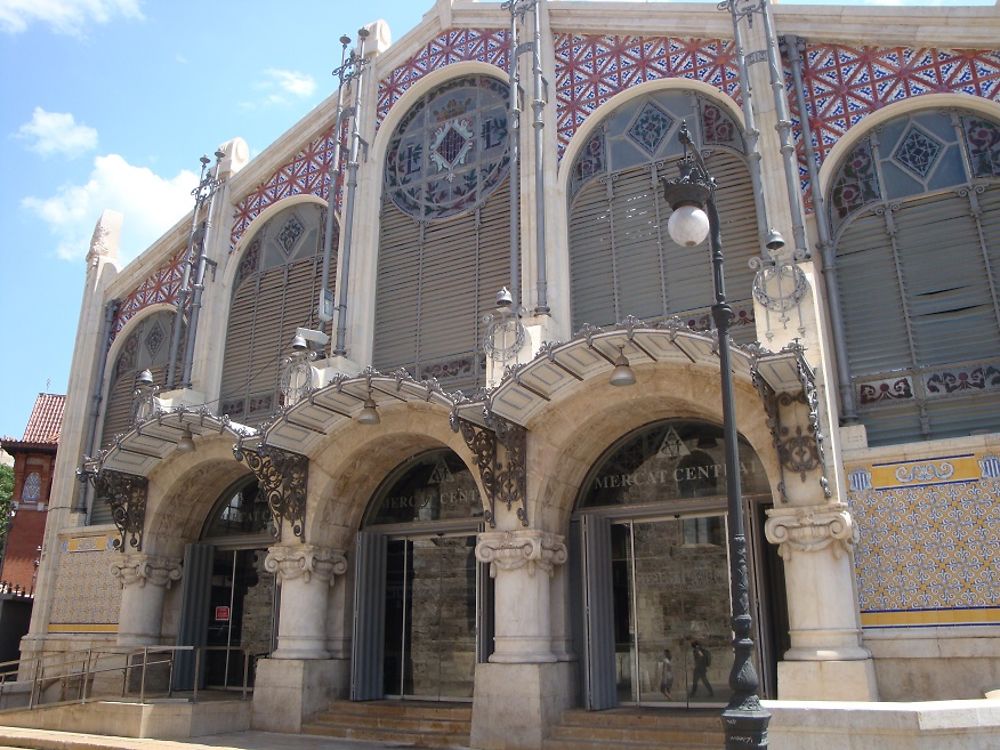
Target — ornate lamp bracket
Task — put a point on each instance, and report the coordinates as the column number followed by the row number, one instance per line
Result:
column 499, row 451
column 283, row 477
column 126, row 494
column 786, row 382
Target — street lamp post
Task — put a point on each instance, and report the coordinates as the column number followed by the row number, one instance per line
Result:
column 692, row 198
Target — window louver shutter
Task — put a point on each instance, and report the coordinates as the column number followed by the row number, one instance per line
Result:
column 434, row 285
column 622, row 261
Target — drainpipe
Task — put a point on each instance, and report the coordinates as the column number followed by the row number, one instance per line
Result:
column 848, row 409
column 514, row 136
column 199, row 278
column 352, row 187
column 81, row 500
column 538, row 104
column 324, row 311
column 784, row 128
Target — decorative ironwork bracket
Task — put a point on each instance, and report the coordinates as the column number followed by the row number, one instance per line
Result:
column 799, row 447
column 499, row 449
column 126, row 494
column 283, row 477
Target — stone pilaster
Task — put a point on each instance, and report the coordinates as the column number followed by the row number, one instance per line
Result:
column 305, row 572
column 524, row 688
column 826, row 660
column 145, row 580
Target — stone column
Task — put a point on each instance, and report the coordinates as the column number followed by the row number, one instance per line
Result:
column 145, row 580
column 305, row 573
column 300, row 679
column 524, row 688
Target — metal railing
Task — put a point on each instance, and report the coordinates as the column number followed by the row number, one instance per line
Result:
column 91, row 673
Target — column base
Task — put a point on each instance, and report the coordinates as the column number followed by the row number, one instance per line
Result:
column 288, row 692
column 516, row 704
column 827, row 680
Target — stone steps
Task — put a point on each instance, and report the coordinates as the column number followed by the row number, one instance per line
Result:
column 636, row 729
column 420, row 724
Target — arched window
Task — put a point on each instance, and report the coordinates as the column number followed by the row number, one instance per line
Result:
column 915, row 209
column 147, row 347
column 444, row 232
column 31, row 492
column 622, row 261
column 276, row 290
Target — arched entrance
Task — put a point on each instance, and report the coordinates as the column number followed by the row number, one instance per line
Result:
column 230, row 601
column 422, row 602
column 650, row 524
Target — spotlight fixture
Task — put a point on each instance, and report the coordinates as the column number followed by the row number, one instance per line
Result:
column 622, row 375
column 186, row 443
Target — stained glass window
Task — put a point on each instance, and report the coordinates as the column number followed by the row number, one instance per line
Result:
column 450, row 150
column 32, row 490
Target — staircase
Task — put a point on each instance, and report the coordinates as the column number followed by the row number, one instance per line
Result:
column 420, row 724
column 637, row 729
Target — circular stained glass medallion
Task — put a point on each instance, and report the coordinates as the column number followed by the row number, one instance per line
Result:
column 450, row 150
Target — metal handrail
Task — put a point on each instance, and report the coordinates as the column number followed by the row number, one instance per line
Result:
column 92, row 662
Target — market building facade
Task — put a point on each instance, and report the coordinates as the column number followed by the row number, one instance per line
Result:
column 437, row 494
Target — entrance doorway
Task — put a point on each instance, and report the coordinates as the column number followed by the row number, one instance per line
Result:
column 423, row 604
column 652, row 569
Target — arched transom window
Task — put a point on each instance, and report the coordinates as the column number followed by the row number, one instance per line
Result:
column 622, row 261
column 444, row 237
column 915, row 208
column 275, row 291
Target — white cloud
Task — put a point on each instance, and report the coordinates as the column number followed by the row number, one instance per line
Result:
column 151, row 205
column 51, row 133
column 278, row 85
column 63, row 16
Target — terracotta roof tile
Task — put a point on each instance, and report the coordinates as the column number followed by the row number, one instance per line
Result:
column 45, row 423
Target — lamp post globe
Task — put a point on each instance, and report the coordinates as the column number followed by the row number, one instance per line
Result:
column 688, row 225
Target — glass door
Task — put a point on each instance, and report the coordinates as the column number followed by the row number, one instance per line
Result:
column 671, row 607
column 431, row 617
column 241, row 615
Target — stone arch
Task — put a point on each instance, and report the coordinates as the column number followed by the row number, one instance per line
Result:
column 567, row 439
column 175, row 513
column 351, row 465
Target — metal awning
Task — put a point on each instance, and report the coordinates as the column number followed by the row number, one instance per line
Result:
column 302, row 426
column 559, row 367
column 141, row 449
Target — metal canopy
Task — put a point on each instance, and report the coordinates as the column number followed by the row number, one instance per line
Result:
column 558, row 367
column 300, row 427
column 139, row 450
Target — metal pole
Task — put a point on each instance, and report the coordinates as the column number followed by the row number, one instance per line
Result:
column 324, row 311
column 514, row 136
column 34, row 685
column 744, row 719
column 199, row 276
column 352, row 189
column 246, row 672
column 848, row 409
column 197, row 668
column 142, row 679
column 542, row 306
column 170, row 676
column 182, row 293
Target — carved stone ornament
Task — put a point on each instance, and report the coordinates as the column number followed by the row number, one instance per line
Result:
column 305, row 561
column 126, row 494
column 282, row 476
column 499, row 451
column 138, row 569
column 811, row 530
column 512, row 550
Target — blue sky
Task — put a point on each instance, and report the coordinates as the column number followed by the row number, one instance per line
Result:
column 109, row 104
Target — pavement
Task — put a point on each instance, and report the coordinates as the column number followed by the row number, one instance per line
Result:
column 17, row 738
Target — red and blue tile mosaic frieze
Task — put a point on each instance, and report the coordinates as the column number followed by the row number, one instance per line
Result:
column 843, row 85
column 448, row 47
column 160, row 287
column 308, row 173
column 592, row 69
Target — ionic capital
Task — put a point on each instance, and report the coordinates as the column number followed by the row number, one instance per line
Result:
column 811, row 530
column 305, row 561
column 512, row 550
column 135, row 568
